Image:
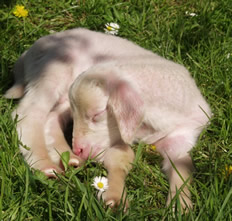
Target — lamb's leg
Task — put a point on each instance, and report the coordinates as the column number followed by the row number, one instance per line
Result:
column 54, row 135
column 32, row 114
column 177, row 163
column 30, row 128
column 118, row 162
column 179, row 177
column 15, row 92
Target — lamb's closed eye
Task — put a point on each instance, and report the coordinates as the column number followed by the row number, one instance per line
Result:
column 99, row 116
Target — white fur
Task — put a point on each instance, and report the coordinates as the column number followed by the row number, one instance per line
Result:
column 120, row 94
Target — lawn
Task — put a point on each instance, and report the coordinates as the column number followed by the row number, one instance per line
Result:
column 197, row 34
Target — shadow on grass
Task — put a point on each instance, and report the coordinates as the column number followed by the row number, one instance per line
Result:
column 7, row 2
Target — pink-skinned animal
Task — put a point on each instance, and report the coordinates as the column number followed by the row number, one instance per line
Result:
column 117, row 94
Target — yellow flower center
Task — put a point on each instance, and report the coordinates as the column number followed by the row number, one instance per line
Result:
column 100, row 185
column 153, row 147
column 109, row 28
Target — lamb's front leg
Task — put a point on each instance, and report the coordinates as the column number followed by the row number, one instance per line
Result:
column 118, row 162
column 54, row 135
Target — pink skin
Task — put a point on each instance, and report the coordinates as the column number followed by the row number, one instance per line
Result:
column 85, row 152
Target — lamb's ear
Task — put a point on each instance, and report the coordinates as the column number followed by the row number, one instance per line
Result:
column 128, row 109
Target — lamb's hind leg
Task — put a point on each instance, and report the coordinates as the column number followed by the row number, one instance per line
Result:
column 32, row 114
column 177, row 163
column 179, row 177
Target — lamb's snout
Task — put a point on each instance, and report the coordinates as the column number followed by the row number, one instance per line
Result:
column 78, row 151
column 84, row 151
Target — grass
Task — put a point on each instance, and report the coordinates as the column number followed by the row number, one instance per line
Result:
column 203, row 43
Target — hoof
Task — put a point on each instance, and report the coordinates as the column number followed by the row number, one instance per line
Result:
column 75, row 161
column 51, row 172
column 185, row 202
column 114, row 200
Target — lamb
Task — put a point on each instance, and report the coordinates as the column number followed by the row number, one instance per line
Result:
column 117, row 94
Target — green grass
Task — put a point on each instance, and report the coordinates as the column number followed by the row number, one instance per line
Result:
column 202, row 43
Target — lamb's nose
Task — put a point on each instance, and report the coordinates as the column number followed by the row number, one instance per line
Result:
column 77, row 151
column 77, row 147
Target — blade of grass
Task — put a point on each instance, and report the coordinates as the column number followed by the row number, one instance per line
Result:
column 220, row 216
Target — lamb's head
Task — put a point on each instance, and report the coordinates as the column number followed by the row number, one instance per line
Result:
column 106, row 111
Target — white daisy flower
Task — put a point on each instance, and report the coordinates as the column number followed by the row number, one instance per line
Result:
column 190, row 13
column 111, row 28
column 100, row 183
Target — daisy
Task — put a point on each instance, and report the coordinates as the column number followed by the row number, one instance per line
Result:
column 100, row 183
column 192, row 14
column 111, row 28
column 20, row 11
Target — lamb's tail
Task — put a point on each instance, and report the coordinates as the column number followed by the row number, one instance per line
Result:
column 17, row 90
